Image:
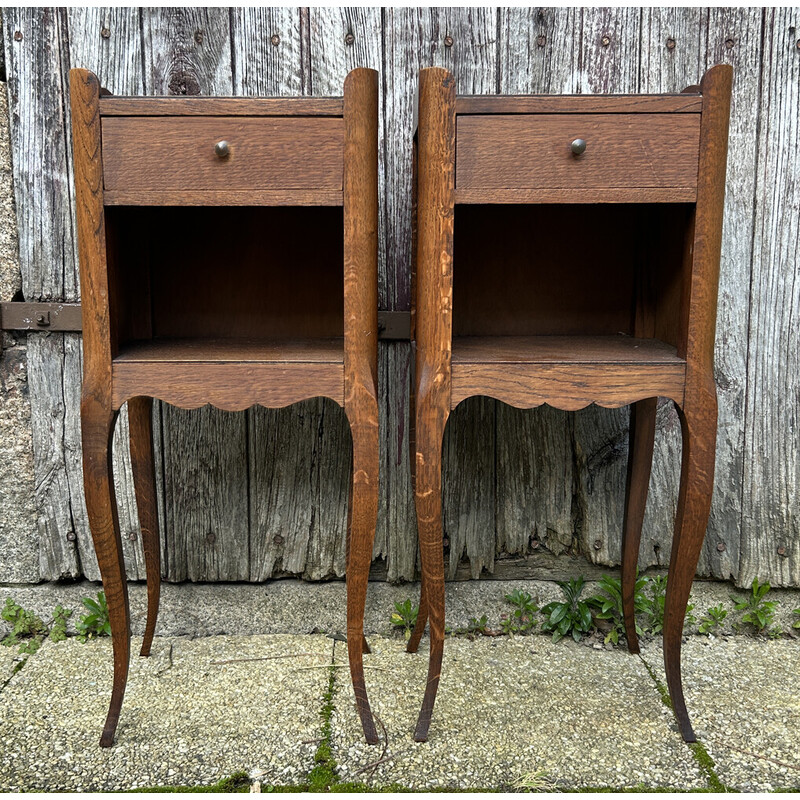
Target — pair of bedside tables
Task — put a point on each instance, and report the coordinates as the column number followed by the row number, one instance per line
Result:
column 566, row 252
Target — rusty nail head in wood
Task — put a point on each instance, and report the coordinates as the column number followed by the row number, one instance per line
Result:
column 43, row 319
column 721, row 547
column 105, row 33
column 670, row 43
column 211, row 537
column 797, row 44
column 71, row 536
column 606, row 40
column 781, row 551
column 277, row 539
column 448, row 41
column 198, row 37
column 541, row 39
column 535, row 545
column 729, row 43
column 598, row 543
column 275, row 39
column 349, row 39
column 17, row 36
column 132, row 536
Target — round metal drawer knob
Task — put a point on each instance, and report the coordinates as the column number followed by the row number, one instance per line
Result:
column 578, row 147
column 222, row 149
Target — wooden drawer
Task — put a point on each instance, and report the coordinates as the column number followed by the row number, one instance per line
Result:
column 176, row 154
column 532, row 151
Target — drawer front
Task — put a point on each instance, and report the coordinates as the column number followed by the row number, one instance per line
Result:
column 534, row 151
column 265, row 153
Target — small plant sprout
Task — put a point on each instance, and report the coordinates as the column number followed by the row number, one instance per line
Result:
column 570, row 617
column 654, row 604
column 712, row 620
column 476, row 626
column 29, row 631
column 404, row 617
column 796, row 614
column 755, row 610
column 608, row 603
column 521, row 619
column 96, row 622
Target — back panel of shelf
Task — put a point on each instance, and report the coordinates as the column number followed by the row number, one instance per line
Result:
column 240, row 272
column 571, row 270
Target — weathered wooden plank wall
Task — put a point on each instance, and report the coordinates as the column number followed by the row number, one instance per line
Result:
column 262, row 493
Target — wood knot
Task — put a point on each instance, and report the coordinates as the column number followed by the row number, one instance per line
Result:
column 184, row 84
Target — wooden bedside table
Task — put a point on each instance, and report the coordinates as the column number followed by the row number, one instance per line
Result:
column 228, row 254
column 567, row 252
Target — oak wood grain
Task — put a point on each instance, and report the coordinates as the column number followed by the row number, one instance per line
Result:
column 178, row 153
column 579, row 104
column 121, row 106
column 622, row 150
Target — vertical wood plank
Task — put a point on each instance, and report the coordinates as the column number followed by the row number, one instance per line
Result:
column 464, row 40
column 35, row 56
column 734, row 36
column 671, row 60
column 340, row 39
column 188, row 51
column 108, row 42
column 284, row 442
column 535, row 460
column 771, row 518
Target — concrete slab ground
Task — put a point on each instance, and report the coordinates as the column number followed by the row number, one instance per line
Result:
column 511, row 712
column 743, row 695
column 194, row 713
column 517, row 712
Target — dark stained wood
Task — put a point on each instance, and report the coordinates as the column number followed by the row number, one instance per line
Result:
column 294, row 316
column 224, row 197
column 533, row 150
column 97, row 414
column 178, row 154
column 140, row 421
column 628, row 194
column 433, row 329
column 640, row 460
column 538, row 295
column 221, row 107
column 578, row 104
column 361, row 358
column 192, row 385
column 699, row 411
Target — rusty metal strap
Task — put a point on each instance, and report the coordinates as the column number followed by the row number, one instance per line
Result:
column 40, row 316
column 392, row 325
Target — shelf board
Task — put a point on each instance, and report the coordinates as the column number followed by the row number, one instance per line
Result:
column 317, row 351
column 562, row 350
column 195, row 372
column 568, row 372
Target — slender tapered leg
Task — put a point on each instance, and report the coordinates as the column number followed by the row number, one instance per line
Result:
column 364, row 646
column 363, row 516
column 140, row 420
column 699, row 429
column 640, row 461
column 428, row 498
column 422, row 619
column 422, row 614
column 97, row 429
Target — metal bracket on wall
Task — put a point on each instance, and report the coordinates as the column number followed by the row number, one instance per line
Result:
column 392, row 325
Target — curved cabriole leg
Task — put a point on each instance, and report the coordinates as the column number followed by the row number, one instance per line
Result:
column 97, row 430
column 363, row 516
column 364, row 646
column 422, row 619
column 140, row 421
column 699, row 429
column 422, row 613
column 640, row 461
column 428, row 498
